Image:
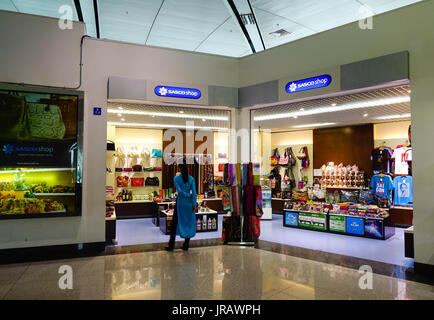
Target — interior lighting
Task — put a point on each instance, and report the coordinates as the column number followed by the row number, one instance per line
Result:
column 169, row 115
column 328, row 109
column 315, row 125
column 394, row 116
column 155, row 125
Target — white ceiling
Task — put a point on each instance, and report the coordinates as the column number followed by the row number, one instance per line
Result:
column 338, row 118
column 208, row 26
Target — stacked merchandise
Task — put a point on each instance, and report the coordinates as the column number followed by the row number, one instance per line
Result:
column 341, row 176
column 242, row 198
column 109, row 203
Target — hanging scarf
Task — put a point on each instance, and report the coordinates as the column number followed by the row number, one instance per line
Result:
column 258, row 204
column 235, row 201
column 245, row 174
column 250, row 174
column 249, row 200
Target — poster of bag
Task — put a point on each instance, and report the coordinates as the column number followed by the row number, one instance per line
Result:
column 37, row 116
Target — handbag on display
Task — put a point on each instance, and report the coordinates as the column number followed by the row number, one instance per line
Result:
column 274, row 160
column 137, row 168
column 156, row 153
column 122, row 181
column 152, row 181
column 292, row 160
column 283, row 161
column 13, row 120
column 301, row 154
column 158, row 169
column 45, row 121
column 222, row 155
column 148, row 169
column 137, row 182
column 221, row 167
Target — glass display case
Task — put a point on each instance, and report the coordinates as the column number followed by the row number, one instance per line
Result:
column 40, row 152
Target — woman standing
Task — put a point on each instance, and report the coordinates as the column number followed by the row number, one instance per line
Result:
column 184, row 217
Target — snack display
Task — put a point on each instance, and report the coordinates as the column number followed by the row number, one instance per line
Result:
column 29, row 206
column 5, row 186
column 43, row 188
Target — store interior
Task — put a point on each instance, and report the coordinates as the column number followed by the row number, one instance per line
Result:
column 348, row 190
column 141, row 161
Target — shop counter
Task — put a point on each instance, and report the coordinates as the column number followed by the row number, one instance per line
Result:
column 110, row 229
column 400, row 216
column 368, row 227
column 409, row 242
column 205, row 221
column 277, row 205
column 135, row 209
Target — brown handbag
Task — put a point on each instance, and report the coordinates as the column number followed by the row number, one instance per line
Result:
column 13, row 119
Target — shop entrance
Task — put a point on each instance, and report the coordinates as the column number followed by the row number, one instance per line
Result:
column 145, row 144
column 339, row 168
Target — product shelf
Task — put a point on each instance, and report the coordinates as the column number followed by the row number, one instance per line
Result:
column 39, row 170
column 54, row 194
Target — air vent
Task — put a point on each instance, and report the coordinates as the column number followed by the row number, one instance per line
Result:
column 280, row 33
column 247, row 19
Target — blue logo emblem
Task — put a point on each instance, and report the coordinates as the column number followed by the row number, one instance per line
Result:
column 8, row 149
column 177, row 92
column 308, row 84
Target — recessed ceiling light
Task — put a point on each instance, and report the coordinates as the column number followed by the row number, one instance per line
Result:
column 334, row 104
column 181, row 111
column 409, row 91
column 120, row 108
column 295, row 117
column 203, row 120
column 301, row 109
column 155, row 125
column 365, row 115
column 119, row 115
column 315, row 125
column 344, row 107
column 122, row 119
column 169, row 115
column 395, row 116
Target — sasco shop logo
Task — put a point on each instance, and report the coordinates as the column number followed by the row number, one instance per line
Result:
column 308, row 84
column 8, row 149
column 177, row 92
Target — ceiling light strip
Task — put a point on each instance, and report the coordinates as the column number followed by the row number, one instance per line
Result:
column 314, row 125
column 344, row 107
column 394, row 116
column 169, row 115
column 155, row 125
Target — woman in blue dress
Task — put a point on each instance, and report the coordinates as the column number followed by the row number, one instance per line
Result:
column 184, row 217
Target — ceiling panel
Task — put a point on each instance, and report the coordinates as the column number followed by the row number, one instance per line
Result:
column 338, row 118
column 46, row 8
column 226, row 41
column 7, row 5
column 89, row 17
column 127, row 20
column 380, row 6
column 185, row 24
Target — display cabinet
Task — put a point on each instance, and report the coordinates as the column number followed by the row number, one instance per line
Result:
column 40, row 152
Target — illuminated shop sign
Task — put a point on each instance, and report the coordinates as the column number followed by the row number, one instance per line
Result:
column 308, row 84
column 177, row 92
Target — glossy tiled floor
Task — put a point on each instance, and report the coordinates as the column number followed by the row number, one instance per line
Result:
column 142, row 231
column 220, row 272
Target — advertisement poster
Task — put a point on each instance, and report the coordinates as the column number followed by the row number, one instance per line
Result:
column 312, row 220
column 374, row 228
column 355, row 225
column 37, row 116
column 291, row 218
column 337, row 223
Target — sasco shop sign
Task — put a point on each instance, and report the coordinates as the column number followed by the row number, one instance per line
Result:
column 308, row 84
column 177, row 92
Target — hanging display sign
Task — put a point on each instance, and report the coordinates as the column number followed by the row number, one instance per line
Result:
column 177, row 92
column 309, row 83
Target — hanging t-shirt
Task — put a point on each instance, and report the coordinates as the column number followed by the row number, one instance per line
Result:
column 381, row 158
column 401, row 156
column 403, row 191
column 382, row 186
